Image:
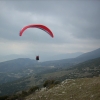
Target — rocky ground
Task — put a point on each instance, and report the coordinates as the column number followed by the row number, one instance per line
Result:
column 74, row 89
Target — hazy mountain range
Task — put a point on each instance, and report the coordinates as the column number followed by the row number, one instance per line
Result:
column 22, row 73
column 48, row 58
column 25, row 63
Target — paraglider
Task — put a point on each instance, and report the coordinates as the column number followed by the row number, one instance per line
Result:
column 37, row 57
column 42, row 27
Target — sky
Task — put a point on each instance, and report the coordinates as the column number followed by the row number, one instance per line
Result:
column 74, row 23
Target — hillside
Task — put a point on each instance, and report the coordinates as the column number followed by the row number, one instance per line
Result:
column 22, row 67
column 18, row 68
column 74, row 89
column 89, row 68
column 89, row 55
column 16, row 64
column 72, row 61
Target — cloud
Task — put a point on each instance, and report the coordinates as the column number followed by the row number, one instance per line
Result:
column 75, row 24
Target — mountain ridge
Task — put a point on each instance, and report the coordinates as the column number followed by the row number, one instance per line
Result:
column 87, row 69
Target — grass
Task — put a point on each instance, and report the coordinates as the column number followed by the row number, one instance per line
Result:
column 77, row 89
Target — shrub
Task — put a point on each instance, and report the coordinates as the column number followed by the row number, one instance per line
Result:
column 33, row 89
column 50, row 83
column 3, row 97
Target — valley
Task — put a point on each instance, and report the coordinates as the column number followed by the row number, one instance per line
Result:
column 26, row 73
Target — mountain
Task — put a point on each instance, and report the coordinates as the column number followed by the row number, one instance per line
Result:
column 89, row 55
column 84, row 57
column 20, row 74
column 14, row 69
column 80, row 58
column 90, row 68
column 22, row 67
column 11, row 57
column 47, row 57
column 16, row 64
column 60, row 56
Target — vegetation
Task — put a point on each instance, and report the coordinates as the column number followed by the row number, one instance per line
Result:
column 50, row 83
column 73, row 89
column 3, row 97
column 20, row 95
column 33, row 89
column 48, row 79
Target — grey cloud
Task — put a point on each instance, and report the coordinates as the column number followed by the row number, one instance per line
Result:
column 70, row 12
column 75, row 23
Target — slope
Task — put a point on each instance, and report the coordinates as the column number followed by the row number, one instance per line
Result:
column 74, row 89
column 89, row 68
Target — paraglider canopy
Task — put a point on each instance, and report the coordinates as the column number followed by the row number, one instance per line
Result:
column 42, row 27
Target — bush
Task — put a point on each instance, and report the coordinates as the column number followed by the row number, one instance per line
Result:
column 33, row 89
column 12, row 97
column 3, row 97
column 24, row 93
column 57, row 82
column 50, row 83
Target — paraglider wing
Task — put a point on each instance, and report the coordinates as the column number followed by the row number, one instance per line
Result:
column 42, row 27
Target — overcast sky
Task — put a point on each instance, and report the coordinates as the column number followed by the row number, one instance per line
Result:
column 74, row 23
